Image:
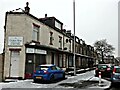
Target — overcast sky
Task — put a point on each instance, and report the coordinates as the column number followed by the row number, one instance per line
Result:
column 95, row 19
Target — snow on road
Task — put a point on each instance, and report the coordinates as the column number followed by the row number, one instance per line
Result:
column 29, row 83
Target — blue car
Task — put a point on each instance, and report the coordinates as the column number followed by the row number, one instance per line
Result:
column 115, row 77
column 48, row 72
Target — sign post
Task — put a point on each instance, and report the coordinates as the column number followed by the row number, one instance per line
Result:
column 74, row 36
column 99, row 78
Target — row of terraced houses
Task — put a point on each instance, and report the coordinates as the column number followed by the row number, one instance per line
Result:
column 31, row 41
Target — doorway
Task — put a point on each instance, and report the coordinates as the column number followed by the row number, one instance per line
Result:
column 14, row 64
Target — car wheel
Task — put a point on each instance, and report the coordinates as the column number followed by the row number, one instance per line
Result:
column 112, row 83
column 63, row 76
column 52, row 78
column 35, row 80
column 96, row 75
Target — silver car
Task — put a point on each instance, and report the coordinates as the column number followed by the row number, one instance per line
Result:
column 115, row 76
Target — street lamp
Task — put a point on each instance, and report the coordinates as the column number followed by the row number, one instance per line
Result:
column 74, row 35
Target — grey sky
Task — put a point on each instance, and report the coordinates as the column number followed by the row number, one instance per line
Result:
column 95, row 19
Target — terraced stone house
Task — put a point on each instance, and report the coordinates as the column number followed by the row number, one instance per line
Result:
column 31, row 41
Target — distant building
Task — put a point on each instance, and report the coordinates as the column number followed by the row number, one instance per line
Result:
column 109, row 59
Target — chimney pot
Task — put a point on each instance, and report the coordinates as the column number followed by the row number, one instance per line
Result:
column 45, row 15
column 27, row 9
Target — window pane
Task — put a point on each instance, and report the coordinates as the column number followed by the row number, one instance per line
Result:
column 35, row 33
column 102, row 66
column 58, row 68
column 60, row 42
column 60, row 60
column 58, row 25
column 117, row 70
column 51, row 38
column 42, row 68
column 70, row 61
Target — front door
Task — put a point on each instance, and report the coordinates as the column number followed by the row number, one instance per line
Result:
column 14, row 66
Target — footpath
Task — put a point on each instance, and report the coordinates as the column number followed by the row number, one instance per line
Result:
column 83, row 80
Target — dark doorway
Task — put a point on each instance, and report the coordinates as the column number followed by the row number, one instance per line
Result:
column 52, row 58
column 32, row 61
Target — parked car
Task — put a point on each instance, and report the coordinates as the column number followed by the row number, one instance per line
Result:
column 48, row 72
column 105, row 69
column 115, row 76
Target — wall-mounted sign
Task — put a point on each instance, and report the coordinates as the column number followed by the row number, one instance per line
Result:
column 15, row 41
column 30, row 50
column 38, row 51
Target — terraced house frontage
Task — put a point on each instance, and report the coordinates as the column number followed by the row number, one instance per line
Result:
column 31, row 41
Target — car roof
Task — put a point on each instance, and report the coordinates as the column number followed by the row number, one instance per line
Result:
column 47, row 65
column 109, row 65
column 116, row 66
column 105, row 64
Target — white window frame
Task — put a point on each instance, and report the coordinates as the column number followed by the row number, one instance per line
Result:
column 58, row 25
column 35, row 33
column 60, row 42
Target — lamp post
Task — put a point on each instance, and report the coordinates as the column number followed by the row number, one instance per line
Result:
column 74, row 35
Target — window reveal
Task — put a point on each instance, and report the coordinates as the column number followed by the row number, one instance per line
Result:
column 60, row 42
column 51, row 38
column 35, row 33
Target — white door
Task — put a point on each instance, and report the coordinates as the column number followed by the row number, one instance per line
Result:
column 14, row 69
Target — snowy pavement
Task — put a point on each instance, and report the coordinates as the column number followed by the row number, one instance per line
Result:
column 88, row 76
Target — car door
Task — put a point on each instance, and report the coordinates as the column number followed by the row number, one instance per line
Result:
column 54, row 72
column 59, row 72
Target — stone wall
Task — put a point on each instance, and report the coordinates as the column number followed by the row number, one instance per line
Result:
column 1, row 67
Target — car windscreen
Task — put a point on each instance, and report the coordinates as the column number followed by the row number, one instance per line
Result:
column 42, row 68
column 102, row 66
column 117, row 70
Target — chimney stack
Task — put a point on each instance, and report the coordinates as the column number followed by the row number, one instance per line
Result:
column 68, row 32
column 45, row 15
column 27, row 9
